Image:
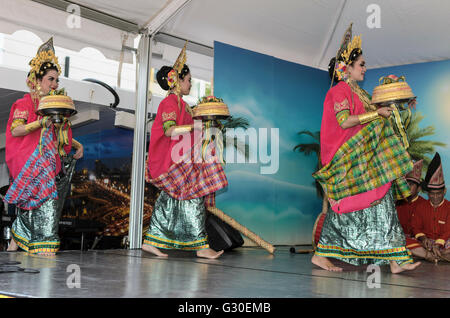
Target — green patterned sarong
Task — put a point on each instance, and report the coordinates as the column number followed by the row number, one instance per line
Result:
column 36, row 231
column 371, row 158
column 178, row 224
column 369, row 236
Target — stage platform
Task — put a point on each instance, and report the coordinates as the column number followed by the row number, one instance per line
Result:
column 245, row 272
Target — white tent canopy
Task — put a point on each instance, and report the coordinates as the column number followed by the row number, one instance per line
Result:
column 306, row 32
column 46, row 22
column 309, row 32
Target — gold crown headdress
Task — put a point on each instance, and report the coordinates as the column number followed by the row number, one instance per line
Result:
column 345, row 41
column 346, row 48
column 45, row 54
column 354, row 44
column 181, row 60
column 172, row 77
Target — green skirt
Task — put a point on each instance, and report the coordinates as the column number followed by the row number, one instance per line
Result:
column 369, row 236
column 36, row 231
column 177, row 224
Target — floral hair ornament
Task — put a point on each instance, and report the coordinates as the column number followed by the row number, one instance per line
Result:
column 171, row 78
column 340, row 71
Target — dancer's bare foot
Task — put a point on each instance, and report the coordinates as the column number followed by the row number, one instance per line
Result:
column 209, row 253
column 153, row 250
column 324, row 263
column 12, row 246
column 395, row 268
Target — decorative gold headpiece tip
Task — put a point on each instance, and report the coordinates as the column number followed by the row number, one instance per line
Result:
column 354, row 44
column 45, row 54
column 181, row 60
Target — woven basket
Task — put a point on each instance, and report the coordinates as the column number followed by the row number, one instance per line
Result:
column 206, row 110
column 392, row 91
column 56, row 105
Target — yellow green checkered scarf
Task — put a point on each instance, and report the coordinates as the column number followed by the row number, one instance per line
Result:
column 371, row 158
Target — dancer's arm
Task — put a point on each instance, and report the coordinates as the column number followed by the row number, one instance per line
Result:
column 79, row 149
column 178, row 130
column 19, row 128
column 354, row 120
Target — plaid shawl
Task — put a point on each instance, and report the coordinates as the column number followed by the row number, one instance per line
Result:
column 371, row 158
column 35, row 183
column 192, row 177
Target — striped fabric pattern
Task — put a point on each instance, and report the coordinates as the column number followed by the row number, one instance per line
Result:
column 35, row 183
column 36, row 247
column 371, row 158
column 189, row 179
column 173, row 244
column 392, row 254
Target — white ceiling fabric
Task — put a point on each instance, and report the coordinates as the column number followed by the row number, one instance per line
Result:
column 302, row 31
column 46, row 22
column 309, row 31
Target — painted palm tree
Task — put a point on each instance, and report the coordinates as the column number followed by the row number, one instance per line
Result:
column 233, row 123
column 311, row 148
column 419, row 149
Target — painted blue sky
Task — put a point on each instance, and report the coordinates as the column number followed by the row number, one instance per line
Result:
column 430, row 82
column 272, row 93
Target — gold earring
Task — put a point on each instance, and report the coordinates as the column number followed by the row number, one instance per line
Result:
column 177, row 90
column 39, row 91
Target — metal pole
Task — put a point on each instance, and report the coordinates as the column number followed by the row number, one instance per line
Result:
column 139, row 144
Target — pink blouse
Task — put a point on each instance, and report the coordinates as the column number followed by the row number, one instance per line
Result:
column 19, row 149
column 160, row 156
column 340, row 102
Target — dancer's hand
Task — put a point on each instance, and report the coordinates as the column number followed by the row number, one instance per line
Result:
column 426, row 242
column 412, row 103
column 79, row 153
column 385, row 111
column 436, row 249
column 48, row 122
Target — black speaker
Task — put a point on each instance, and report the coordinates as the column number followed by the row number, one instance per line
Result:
column 221, row 236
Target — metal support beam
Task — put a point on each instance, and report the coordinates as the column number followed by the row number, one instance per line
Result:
column 139, row 144
column 140, row 132
column 179, row 42
column 170, row 10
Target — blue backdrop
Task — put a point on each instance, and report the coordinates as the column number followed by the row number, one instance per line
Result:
column 430, row 82
column 272, row 93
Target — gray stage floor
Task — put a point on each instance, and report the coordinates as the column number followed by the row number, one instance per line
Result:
column 245, row 272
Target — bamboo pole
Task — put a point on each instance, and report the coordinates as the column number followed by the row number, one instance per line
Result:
column 233, row 223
